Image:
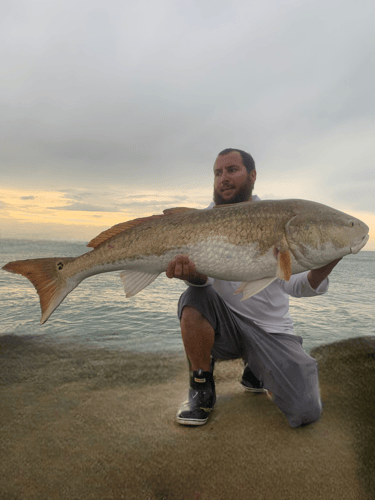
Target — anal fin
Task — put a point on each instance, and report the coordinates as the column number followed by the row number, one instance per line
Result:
column 135, row 281
column 251, row 288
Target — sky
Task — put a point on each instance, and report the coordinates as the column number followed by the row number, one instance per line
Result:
column 112, row 110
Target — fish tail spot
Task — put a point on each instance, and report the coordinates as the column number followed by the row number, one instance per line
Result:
column 46, row 277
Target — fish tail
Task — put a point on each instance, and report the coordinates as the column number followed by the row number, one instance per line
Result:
column 48, row 277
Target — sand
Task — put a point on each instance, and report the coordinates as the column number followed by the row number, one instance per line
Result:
column 85, row 423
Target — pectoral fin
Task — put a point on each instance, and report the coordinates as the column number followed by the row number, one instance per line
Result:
column 284, row 265
column 250, row 289
column 135, row 281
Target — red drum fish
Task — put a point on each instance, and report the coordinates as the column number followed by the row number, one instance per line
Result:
column 252, row 242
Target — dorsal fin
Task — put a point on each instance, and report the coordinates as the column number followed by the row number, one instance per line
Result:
column 119, row 228
column 177, row 210
column 124, row 226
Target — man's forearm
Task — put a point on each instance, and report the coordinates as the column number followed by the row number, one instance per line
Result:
column 317, row 276
column 315, row 279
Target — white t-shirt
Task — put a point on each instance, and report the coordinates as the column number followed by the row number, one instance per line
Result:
column 269, row 308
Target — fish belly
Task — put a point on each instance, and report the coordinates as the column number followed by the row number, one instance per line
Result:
column 222, row 260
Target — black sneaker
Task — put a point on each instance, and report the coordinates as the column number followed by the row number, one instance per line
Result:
column 201, row 401
column 250, row 383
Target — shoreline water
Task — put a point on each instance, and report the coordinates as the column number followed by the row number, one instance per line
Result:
column 97, row 312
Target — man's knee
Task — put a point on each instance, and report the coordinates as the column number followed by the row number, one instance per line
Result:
column 190, row 313
column 301, row 402
column 305, row 412
column 306, row 406
column 195, row 295
column 191, row 318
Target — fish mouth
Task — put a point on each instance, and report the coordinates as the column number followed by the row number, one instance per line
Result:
column 358, row 244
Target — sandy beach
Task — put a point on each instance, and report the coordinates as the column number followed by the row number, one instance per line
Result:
column 79, row 423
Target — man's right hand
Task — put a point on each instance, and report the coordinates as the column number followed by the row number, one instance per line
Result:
column 183, row 268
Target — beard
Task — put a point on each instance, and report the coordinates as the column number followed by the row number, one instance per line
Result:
column 244, row 194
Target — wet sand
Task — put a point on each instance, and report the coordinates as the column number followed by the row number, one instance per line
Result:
column 79, row 423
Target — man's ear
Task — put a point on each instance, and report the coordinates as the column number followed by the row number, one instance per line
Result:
column 253, row 176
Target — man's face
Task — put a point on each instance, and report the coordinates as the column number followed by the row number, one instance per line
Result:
column 232, row 183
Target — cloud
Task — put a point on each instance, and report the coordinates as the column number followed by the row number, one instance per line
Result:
column 124, row 110
column 147, row 200
column 269, row 196
column 77, row 195
column 358, row 197
column 85, row 207
column 151, row 97
column 27, row 197
column 356, row 190
column 114, row 202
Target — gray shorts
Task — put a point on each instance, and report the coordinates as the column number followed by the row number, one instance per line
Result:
column 277, row 359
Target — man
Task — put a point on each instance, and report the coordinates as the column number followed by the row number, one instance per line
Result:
column 217, row 324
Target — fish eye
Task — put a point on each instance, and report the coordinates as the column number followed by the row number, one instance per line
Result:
column 351, row 223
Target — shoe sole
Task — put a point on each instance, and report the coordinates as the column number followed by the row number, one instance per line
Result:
column 193, row 421
column 190, row 421
column 255, row 390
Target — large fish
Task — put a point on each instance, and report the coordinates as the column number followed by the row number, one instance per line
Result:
column 253, row 242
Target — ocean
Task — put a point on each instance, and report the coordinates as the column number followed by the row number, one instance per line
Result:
column 97, row 313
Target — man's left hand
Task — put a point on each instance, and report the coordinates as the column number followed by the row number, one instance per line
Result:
column 317, row 276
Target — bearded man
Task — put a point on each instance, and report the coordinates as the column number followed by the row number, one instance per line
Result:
column 216, row 324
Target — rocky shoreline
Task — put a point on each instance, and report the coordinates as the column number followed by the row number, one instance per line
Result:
column 84, row 423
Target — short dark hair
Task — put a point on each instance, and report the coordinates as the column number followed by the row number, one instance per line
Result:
column 247, row 159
